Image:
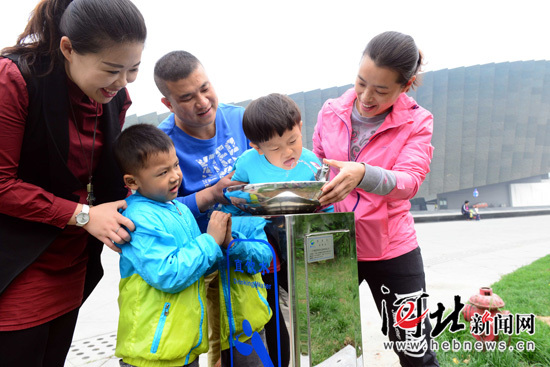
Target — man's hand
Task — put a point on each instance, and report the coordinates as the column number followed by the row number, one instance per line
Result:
column 214, row 194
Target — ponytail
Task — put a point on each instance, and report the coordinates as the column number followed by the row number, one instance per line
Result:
column 90, row 25
column 418, row 80
column 41, row 35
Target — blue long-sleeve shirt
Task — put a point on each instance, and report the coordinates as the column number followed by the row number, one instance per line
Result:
column 205, row 161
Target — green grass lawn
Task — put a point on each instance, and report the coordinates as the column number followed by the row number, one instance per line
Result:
column 333, row 326
column 525, row 291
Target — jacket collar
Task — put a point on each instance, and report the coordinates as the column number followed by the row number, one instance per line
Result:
column 400, row 114
column 137, row 197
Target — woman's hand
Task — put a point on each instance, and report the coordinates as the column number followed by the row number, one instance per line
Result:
column 108, row 225
column 350, row 175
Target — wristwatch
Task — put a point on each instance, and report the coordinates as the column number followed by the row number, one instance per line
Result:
column 83, row 217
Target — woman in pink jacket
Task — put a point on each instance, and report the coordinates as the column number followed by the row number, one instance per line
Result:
column 377, row 141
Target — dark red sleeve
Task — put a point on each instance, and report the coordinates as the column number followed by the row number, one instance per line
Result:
column 122, row 118
column 17, row 198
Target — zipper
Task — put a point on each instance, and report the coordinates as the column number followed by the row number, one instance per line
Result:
column 357, row 201
column 349, row 137
column 199, row 342
column 175, row 206
column 160, row 327
column 376, row 135
column 178, row 209
column 349, row 133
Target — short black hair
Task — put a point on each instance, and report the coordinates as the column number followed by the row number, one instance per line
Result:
column 136, row 144
column 269, row 115
column 174, row 66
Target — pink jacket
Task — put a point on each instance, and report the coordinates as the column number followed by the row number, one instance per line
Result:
column 384, row 226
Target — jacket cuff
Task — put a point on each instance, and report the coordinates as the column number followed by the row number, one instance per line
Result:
column 377, row 180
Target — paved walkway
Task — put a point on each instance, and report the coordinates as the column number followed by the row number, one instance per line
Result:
column 459, row 258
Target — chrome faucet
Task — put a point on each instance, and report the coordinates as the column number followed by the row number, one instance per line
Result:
column 322, row 173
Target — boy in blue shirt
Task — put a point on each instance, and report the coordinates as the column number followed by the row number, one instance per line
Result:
column 273, row 124
column 162, row 318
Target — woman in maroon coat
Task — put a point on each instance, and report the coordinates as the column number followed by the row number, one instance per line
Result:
column 62, row 103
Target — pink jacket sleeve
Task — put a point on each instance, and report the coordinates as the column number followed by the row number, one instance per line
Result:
column 413, row 163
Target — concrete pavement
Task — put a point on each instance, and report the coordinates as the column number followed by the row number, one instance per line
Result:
column 459, row 258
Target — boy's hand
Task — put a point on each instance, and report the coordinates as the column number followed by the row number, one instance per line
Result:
column 217, row 226
column 228, row 236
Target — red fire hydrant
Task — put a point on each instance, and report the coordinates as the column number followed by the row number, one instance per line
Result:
column 485, row 303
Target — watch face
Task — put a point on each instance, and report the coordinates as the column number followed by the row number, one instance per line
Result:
column 82, row 218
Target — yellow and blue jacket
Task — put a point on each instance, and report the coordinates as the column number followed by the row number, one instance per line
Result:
column 243, row 295
column 162, row 298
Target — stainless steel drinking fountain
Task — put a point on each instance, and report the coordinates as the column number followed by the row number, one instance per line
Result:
column 323, row 314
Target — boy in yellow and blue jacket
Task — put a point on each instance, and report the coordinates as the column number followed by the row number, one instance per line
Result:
column 162, row 318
